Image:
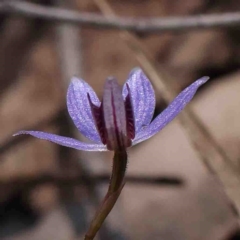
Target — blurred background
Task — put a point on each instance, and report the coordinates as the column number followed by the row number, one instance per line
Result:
column 173, row 191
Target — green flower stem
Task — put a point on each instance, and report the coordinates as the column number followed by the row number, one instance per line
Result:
column 114, row 190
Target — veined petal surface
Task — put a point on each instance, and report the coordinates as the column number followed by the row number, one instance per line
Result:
column 174, row 108
column 65, row 141
column 79, row 108
column 142, row 96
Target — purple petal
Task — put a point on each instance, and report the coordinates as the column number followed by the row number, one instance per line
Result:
column 65, row 141
column 79, row 108
column 114, row 115
column 170, row 112
column 142, row 96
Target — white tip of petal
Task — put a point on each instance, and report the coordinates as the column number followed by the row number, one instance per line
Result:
column 202, row 80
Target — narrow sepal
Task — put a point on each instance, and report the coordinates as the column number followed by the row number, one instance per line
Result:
column 174, row 108
column 64, row 141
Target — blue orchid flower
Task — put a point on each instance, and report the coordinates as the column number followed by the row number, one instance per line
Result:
column 122, row 119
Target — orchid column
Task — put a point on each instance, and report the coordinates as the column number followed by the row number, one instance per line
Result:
column 121, row 120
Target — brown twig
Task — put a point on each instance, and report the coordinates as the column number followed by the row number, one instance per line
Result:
column 149, row 25
column 80, row 179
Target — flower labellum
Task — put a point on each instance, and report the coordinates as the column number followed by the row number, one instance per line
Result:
column 122, row 119
column 111, row 117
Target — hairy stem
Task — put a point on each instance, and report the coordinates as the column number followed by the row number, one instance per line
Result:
column 114, row 190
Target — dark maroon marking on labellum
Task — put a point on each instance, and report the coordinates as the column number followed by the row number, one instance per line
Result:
column 116, row 130
column 113, row 135
column 129, row 115
column 97, row 113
